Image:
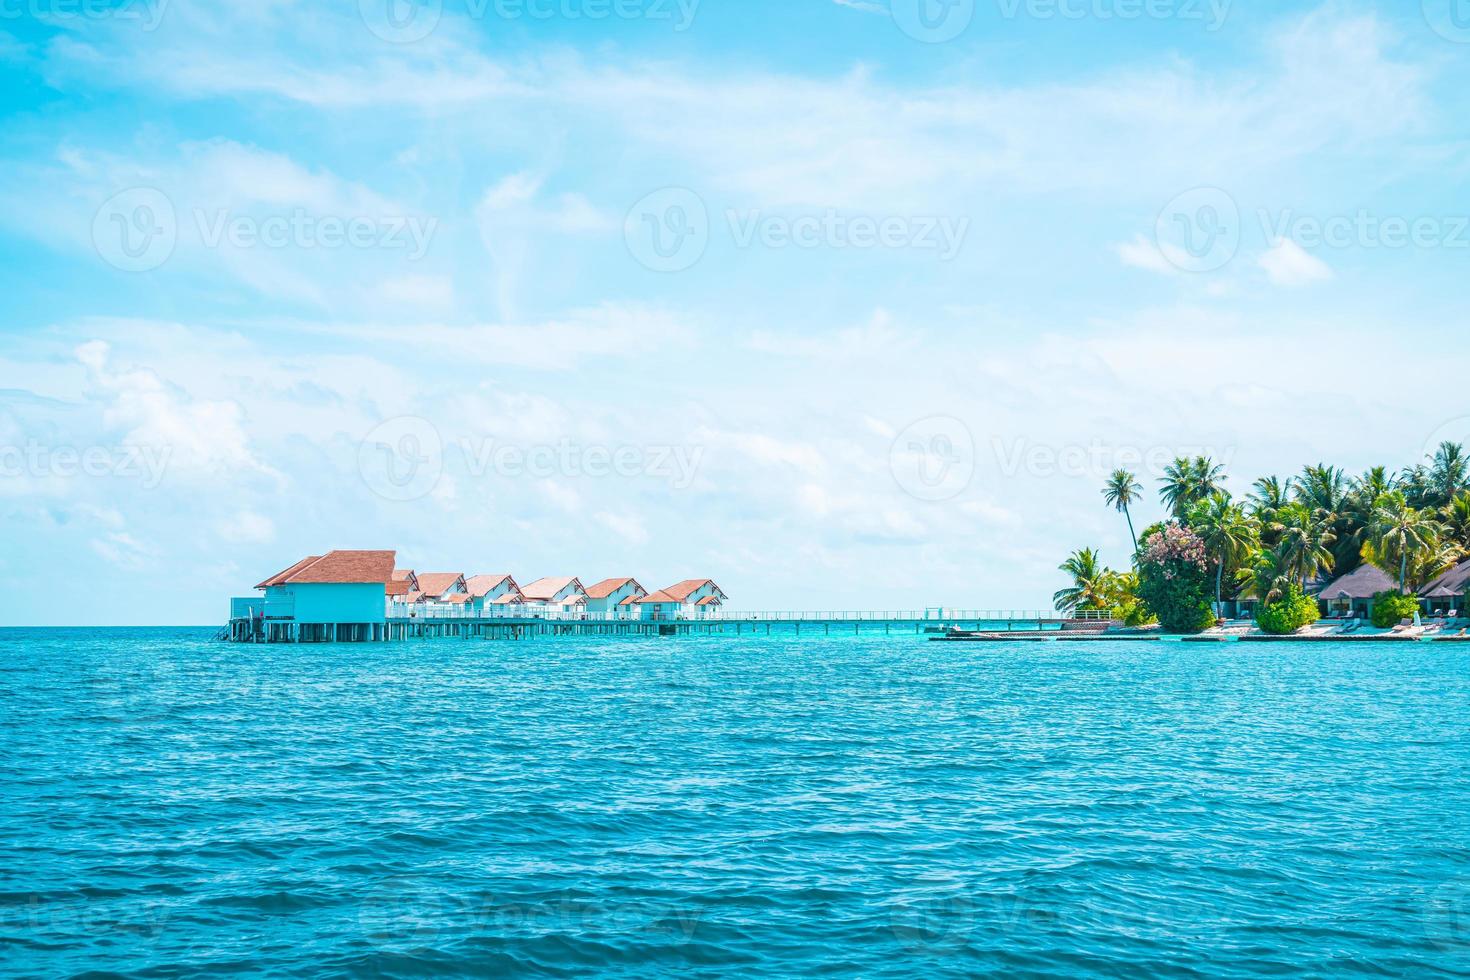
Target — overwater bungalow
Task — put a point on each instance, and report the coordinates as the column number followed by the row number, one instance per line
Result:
column 555, row 595
column 338, row 589
column 694, row 598
column 485, row 590
column 615, row 598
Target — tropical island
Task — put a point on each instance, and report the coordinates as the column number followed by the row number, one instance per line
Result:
column 1382, row 548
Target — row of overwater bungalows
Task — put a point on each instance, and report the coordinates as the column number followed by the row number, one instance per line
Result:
column 368, row 587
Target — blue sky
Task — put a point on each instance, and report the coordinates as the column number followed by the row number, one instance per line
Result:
column 843, row 306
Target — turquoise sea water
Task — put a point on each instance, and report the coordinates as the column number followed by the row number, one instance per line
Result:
column 876, row 807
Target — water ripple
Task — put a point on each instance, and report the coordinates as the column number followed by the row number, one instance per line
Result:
column 877, row 807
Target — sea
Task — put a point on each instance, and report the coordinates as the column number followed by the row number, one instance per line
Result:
column 712, row 806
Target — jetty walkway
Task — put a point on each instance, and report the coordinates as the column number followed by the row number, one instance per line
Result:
column 443, row 623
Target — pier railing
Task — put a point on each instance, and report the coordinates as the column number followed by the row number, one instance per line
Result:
column 868, row 615
column 438, row 613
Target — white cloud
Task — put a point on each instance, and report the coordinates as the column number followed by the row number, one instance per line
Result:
column 1143, row 253
column 246, row 527
column 1288, row 264
column 625, row 526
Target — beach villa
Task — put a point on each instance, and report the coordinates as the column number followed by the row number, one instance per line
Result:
column 340, row 587
column 615, row 598
column 695, row 598
column 555, row 595
column 486, row 591
column 1446, row 594
column 1351, row 595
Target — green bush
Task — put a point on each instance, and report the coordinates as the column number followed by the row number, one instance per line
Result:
column 1288, row 614
column 1173, row 580
column 1391, row 607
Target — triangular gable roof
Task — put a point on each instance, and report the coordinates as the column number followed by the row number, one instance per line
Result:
column 338, row 568
column 507, row 599
column 608, row 586
column 1364, row 582
column 708, row 600
column 630, row 600
column 684, row 589
column 438, row 583
column 1455, row 582
column 480, row 586
column 280, row 577
column 547, row 588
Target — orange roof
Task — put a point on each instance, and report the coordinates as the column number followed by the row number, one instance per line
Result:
column 438, row 583
column 460, row 598
column 708, row 600
column 660, row 596
column 338, row 568
column 507, row 599
column 480, row 586
column 682, row 590
column 403, row 574
column 547, row 588
column 280, row 577
column 416, row 595
column 630, row 600
column 608, row 586
column 399, row 587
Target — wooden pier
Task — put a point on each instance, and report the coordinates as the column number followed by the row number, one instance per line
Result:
column 257, row 630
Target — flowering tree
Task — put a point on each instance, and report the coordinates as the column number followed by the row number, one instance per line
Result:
column 1173, row 579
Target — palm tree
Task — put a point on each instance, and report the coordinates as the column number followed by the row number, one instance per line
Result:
column 1449, row 472
column 1122, row 490
column 1091, row 582
column 1327, row 491
column 1268, row 495
column 1186, row 482
column 1303, row 542
column 1398, row 531
column 1269, row 578
column 1457, row 520
column 1228, row 534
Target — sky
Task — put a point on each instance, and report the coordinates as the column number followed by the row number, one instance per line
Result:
column 846, row 304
